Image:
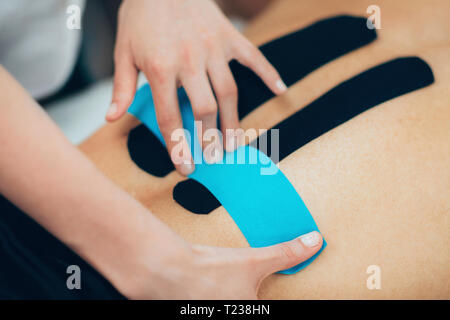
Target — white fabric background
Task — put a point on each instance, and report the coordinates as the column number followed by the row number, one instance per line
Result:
column 36, row 46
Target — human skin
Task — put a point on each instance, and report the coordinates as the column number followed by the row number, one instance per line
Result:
column 56, row 185
column 378, row 186
column 47, row 177
column 245, row 9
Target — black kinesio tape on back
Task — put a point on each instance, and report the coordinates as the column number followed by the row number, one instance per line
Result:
column 294, row 56
column 342, row 103
column 298, row 54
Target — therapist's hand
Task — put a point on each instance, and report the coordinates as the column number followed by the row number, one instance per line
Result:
column 202, row 272
column 185, row 43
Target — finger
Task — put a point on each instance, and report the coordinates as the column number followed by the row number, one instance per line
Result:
column 125, row 79
column 288, row 254
column 226, row 93
column 204, row 107
column 170, row 124
column 248, row 55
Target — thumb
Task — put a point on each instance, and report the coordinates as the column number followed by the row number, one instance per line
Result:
column 288, row 254
column 125, row 79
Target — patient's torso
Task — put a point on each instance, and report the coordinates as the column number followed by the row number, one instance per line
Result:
column 378, row 186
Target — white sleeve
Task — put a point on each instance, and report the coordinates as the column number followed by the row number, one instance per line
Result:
column 36, row 46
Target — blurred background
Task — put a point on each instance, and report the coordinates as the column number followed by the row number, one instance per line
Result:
column 80, row 105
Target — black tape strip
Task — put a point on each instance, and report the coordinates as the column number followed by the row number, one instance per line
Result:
column 342, row 103
column 294, row 56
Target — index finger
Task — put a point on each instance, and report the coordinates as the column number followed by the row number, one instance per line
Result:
column 250, row 56
column 171, row 125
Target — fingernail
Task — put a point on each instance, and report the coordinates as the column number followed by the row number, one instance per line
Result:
column 112, row 110
column 186, row 168
column 311, row 239
column 281, row 85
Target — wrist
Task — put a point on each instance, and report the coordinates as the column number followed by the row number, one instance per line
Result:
column 151, row 268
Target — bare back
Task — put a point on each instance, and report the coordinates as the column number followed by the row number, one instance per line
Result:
column 378, row 186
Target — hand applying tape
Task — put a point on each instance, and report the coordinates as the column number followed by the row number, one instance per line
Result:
column 266, row 207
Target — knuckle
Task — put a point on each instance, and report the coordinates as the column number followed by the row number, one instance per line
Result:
column 188, row 58
column 189, row 69
column 248, row 51
column 151, row 65
column 253, row 262
column 166, row 122
column 261, row 255
column 159, row 68
column 120, row 55
column 246, row 55
column 206, row 109
column 228, row 91
column 209, row 40
column 287, row 251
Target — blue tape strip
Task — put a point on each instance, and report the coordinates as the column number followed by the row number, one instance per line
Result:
column 266, row 207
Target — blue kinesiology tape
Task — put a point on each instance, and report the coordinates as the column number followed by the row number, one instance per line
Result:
column 258, row 196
